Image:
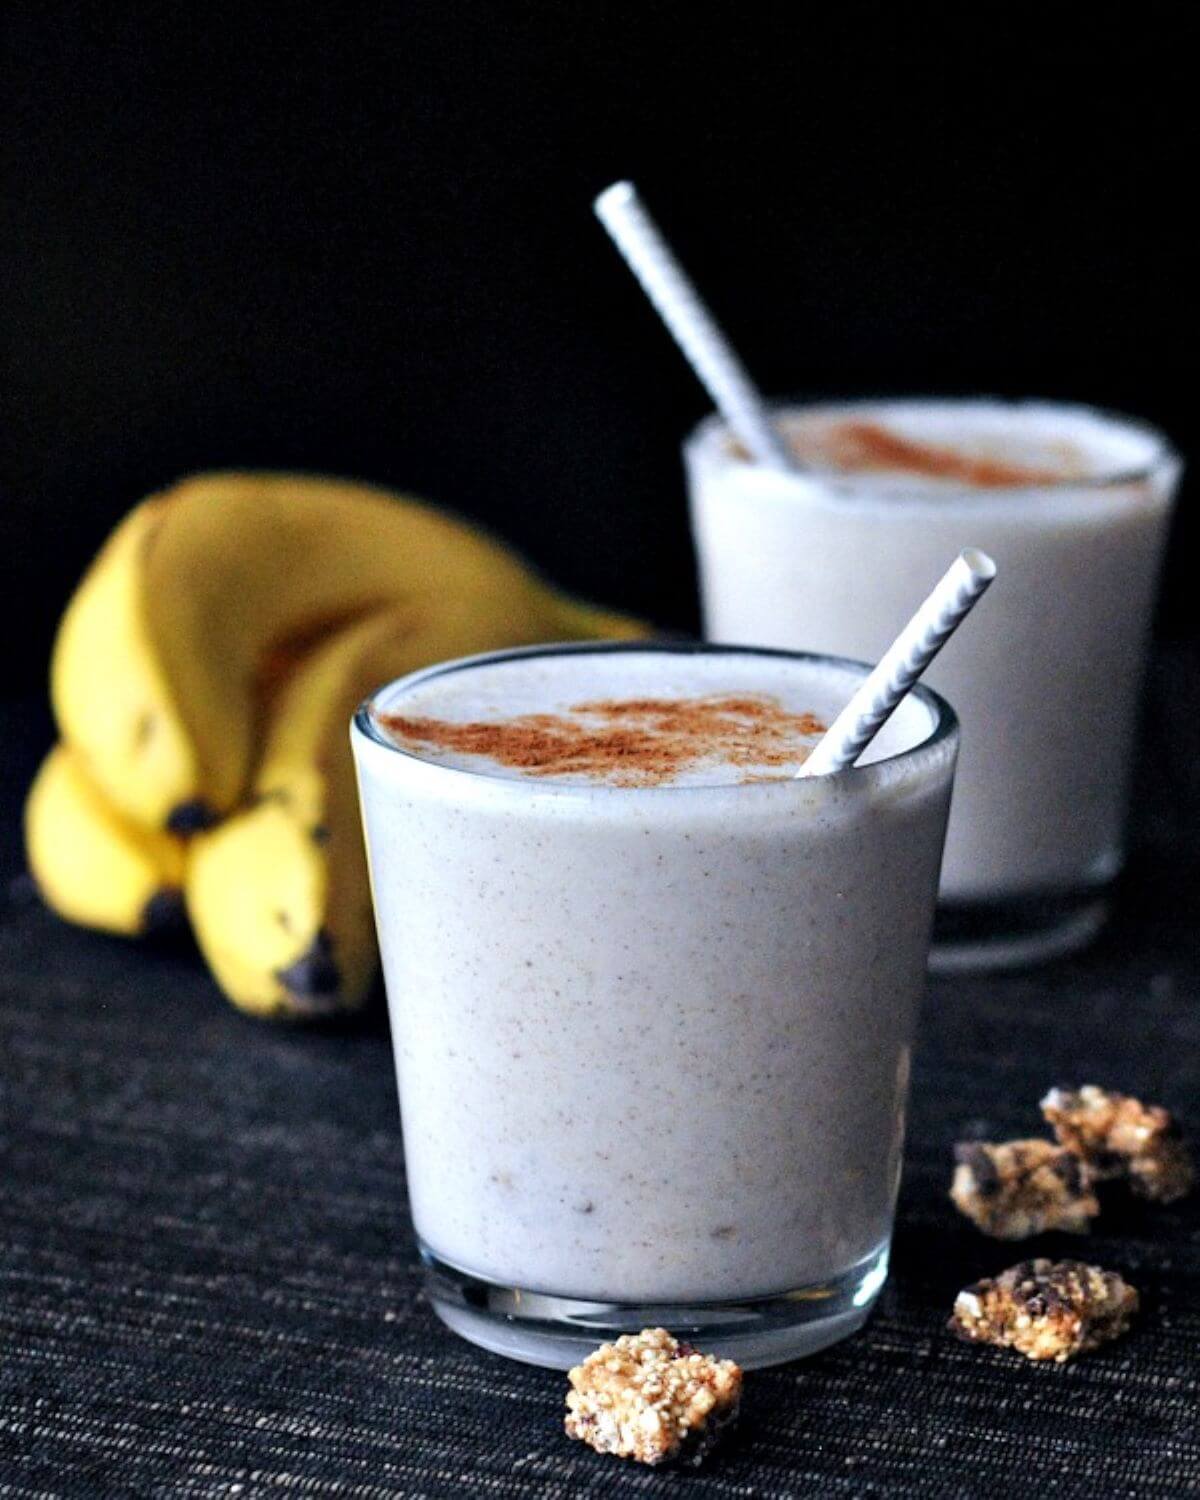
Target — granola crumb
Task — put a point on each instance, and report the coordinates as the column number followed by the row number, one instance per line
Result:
column 1014, row 1189
column 1117, row 1136
column 650, row 1398
column 1046, row 1310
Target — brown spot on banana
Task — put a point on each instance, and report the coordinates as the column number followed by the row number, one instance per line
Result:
column 191, row 817
column 313, row 981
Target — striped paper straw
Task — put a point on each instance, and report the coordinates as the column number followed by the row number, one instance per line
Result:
column 693, row 327
column 957, row 593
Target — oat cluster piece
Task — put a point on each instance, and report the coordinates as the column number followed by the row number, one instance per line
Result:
column 1013, row 1189
column 1046, row 1310
column 1117, row 1136
column 1019, row 1188
column 653, row 1399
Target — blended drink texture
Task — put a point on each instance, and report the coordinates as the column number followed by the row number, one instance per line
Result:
column 1074, row 505
column 652, row 998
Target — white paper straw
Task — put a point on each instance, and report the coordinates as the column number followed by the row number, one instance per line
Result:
column 956, row 594
column 693, row 327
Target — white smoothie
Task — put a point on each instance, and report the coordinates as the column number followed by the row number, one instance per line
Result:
column 1074, row 506
column 652, row 998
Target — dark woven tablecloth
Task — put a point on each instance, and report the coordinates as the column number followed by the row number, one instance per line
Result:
column 208, row 1284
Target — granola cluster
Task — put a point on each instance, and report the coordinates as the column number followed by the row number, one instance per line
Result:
column 1012, row 1189
column 1046, row 1310
column 1019, row 1188
column 1117, row 1136
column 653, row 1399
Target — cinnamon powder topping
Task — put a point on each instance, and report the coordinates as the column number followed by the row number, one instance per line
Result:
column 856, row 446
column 625, row 742
column 867, row 445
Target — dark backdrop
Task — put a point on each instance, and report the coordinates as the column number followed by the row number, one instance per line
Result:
column 363, row 243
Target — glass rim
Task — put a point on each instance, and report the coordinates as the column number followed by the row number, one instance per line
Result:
column 1165, row 452
column 945, row 722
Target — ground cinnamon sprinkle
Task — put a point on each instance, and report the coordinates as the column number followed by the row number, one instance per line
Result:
column 870, row 446
column 626, row 742
column 859, row 445
column 856, row 447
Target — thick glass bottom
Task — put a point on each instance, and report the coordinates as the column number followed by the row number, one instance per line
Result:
column 973, row 937
column 558, row 1332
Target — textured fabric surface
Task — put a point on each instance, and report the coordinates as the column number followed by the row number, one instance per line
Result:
column 208, row 1284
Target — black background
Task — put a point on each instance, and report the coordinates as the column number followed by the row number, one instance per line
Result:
column 361, row 241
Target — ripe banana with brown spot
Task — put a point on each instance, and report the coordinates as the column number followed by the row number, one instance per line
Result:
column 92, row 865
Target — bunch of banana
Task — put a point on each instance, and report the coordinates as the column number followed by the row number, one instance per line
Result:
column 203, row 678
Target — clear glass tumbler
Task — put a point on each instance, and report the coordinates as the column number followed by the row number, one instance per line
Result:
column 652, row 1041
column 1074, row 504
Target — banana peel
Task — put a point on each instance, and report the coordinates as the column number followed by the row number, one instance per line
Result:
column 93, row 866
column 112, row 699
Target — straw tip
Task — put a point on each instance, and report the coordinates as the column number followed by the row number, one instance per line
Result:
column 616, row 195
column 981, row 565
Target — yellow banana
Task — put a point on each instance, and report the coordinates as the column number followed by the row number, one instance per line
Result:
column 111, row 696
column 92, row 865
column 155, row 676
column 278, row 894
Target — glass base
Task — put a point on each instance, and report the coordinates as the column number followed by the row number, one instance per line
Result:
column 558, row 1332
column 973, row 937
